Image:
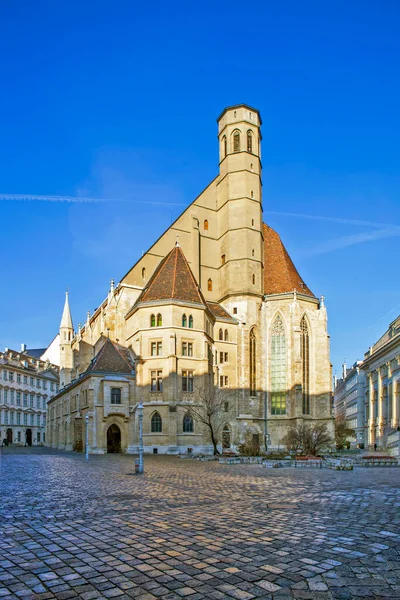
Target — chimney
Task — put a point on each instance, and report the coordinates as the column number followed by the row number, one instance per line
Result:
column 23, row 347
column 344, row 372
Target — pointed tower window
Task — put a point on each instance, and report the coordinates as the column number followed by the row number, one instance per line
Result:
column 226, row 336
column 184, row 321
column 223, row 259
column 236, row 141
column 253, row 279
column 205, row 225
column 190, row 321
column 159, row 320
column 156, row 423
column 249, row 142
column 209, row 285
column 224, row 147
column 220, row 335
column 278, row 368
column 152, row 321
column 305, row 364
column 143, row 273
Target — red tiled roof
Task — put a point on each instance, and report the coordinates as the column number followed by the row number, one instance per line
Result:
column 173, row 280
column 280, row 274
column 112, row 358
column 218, row 311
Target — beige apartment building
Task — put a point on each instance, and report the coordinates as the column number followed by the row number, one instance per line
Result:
column 215, row 303
column 26, row 386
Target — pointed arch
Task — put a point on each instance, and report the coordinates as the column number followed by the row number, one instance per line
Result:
column 253, row 361
column 236, row 140
column 226, row 335
column 159, row 320
column 224, row 149
column 153, row 321
column 305, row 364
column 209, row 285
column 190, row 322
column 250, row 141
column 184, row 321
column 143, row 273
column 205, row 224
column 187, row 424
column 220, row 334
column 278, row 366
column 156, row 423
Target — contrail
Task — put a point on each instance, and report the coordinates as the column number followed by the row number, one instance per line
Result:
column 79, row 199
column 334, row 219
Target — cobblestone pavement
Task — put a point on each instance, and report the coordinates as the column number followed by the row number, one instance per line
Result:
column 189, row 529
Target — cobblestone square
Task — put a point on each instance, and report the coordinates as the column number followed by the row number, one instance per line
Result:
column 190, row 529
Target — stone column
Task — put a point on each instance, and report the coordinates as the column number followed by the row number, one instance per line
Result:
column 371, row 423
column 393, row 400
column 380, row 405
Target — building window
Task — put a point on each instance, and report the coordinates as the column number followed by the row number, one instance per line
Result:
column 187, row 424
column 25, row 419
column 156, row 348
column 18, row 418
column 253, row 373
column 223, row 259
column 252, row 252
column 226, row 406
column 220, row 335
column 31, row 380
column 31, row 419
column 235, row 310
column 305, row 365
column 12, row 394
column 253, row 279
column 5, row 396
column 115, row 396
column 184, row 321
column 25, row 379
column 190, row 322
column 278, row 368
column 249, row 142
column 156, row 381
column 187, row 381
column 187, row 348
column 6, row 417
column 223, row 381
column 209, row 285
column 143, row 273
column 226, row 336
column 31, row 400
column 152, row 321
column 205, row 224
column 11, row 376
column 18, row 398
column 37, row 401
column 224, row 147
column 25, row 399
column 156, row 423
column 159, row 320
column 236, row 141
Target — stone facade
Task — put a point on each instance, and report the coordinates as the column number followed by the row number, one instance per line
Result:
column 349, row 402
column 215, row 298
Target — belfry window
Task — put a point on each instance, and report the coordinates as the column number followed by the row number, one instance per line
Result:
column 305, row 364
column 156, row 423
column 278, row 368
column 236, row 141
column 249, row 142
column 253, row 358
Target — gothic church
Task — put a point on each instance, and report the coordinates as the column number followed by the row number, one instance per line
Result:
column 223, row 304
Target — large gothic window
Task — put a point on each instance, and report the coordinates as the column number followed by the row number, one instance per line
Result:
column 156, row 423
column 305, row 364
column 187, row 424
column 253, row 358
column 278, row 368
column 236, row 141
column 249, row 142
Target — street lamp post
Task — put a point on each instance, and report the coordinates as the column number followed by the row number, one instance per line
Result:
column 140, row 412
column 87, row 437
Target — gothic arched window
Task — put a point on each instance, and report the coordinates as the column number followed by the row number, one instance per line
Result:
column 220, row 335
column 205, row 225
column 187, row 424
column 190, row 321
column 278, row 368
column 224, row 147
column 156, row 423
column 184, row 321
column 209, row 285
column 152, row 321
column 159, row 320
column 226, row 335
column 143, row 273
column 253, row 358
column 305, row 364
column 249, row 142
column 236, row 141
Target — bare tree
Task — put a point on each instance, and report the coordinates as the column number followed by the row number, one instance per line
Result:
column 210, row 410
column 307, row 439
column 342, row 432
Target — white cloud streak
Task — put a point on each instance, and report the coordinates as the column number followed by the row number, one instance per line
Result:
column 351, row 240
column 335, row 220
column 80, row 199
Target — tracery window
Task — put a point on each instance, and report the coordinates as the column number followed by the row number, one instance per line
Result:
column 305, row 364
column 184, row 321
column 278, row 368
column 152, row 321
column 190, row 322
column 249, row 142
column 187, row 424
column 253, row 358
column 156, row 423
column 236, row 141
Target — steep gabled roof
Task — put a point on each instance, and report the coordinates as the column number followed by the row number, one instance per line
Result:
column 66, row 319
column 280, row 274
column 111, row 358
column 172, row 280
column 218, row 311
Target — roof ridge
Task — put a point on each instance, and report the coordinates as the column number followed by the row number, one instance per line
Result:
column 175, row 267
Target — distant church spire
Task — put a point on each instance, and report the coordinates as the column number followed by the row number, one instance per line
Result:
column 66, row 319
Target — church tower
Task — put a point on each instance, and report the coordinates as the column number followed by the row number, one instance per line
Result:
column 239, row 203
column 66, row 336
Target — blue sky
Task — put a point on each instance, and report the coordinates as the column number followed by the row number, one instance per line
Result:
column 119, row 101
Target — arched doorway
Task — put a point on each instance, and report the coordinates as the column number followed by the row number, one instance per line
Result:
column 9, row 435
column 28, row 437
column 113, row 439
column 226, row 437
